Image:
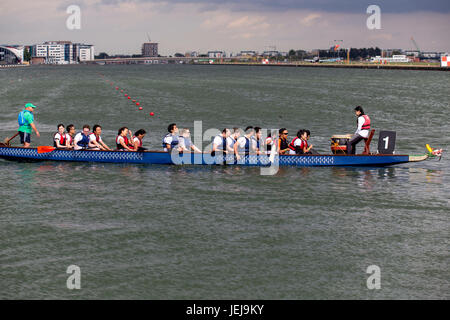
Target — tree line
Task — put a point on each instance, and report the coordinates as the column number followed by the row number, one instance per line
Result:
column 355, row 53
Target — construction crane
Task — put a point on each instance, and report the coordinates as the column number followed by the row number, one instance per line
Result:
column 415, row 44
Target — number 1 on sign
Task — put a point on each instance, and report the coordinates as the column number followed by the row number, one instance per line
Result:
column 386, row 142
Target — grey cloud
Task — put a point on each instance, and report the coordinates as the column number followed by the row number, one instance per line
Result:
column 349, row 6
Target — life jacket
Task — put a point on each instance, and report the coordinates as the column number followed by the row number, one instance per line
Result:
column 62, row 140
column 224, row 144
column 283, row 144
column 70, row 140
column 174, row 142
column 246, row 148
column 233, row 141
column 83, row 143
column 21, row 118
column 119, row 145
column 257, row 142
column 366, row 124
column 140, row 141
column 304, row 145
column 292, row 146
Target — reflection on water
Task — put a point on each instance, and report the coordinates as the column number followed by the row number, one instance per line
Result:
column 425, row 175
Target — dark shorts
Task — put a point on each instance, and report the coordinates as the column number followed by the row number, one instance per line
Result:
column 24, row 137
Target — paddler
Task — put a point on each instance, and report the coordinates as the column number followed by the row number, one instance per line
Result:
column 61, row 139
column 231, row 140
column 362, row 131
column 81, row 140
column 220, row 142
column 95, row 139
column 257, row 141
column 296, row 144
column 170, row 140
column 269, row 142
column 185, row 141
column 244, row 144
column 137, row 140
column 71, row 134
column 304, row 146
column 122, row 141
column 283, row 144
column 26, row 125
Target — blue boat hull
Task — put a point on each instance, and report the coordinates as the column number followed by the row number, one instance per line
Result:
column 157, row 157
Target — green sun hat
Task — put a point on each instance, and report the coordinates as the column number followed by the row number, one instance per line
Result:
column 30, row 105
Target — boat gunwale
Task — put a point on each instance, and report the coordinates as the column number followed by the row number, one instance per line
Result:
column 209, row 153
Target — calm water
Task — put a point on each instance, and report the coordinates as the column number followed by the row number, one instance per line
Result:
column 168, row 232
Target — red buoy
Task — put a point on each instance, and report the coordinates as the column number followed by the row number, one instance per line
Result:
column 117, row 88
column 125, row 94
column 137, row 103
column 129, row 97
column 152, row 114
column 134, row 101
column 140, row 108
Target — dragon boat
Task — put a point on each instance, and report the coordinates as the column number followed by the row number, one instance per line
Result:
column 46, row 153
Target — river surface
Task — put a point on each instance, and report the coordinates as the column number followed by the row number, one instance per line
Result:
column 200, row 232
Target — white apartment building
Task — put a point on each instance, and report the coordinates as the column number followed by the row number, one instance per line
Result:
column 85, row 52
column 395, row 58
column 63, row 52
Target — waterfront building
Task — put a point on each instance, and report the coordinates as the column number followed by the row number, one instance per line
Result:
column 216, row 54
column 83, row 52
column 63, row 52
column 248, row 53
column 11, row 54
column 150, row 49
column 399, row 58
column 414, row 53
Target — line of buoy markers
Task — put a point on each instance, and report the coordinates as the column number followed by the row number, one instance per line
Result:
column 138, row 104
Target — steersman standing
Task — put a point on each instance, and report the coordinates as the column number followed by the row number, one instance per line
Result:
column 26, row 125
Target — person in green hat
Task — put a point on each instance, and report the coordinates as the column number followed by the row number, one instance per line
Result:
column 26, row 125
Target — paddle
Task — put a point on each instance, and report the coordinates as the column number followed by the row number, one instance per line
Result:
column 45, row 149
column 7, row 140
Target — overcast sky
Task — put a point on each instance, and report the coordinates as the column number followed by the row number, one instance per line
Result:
column 121, row 26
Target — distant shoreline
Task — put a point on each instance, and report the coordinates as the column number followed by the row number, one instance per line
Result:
column 426, row 67
column 329, row 65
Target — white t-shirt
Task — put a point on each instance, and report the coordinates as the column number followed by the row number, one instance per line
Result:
column 297, row 143
column 93, row 138
column 362, row 133
column 58, row 137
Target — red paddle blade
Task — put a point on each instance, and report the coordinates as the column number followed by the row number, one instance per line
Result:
column 45, row 149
